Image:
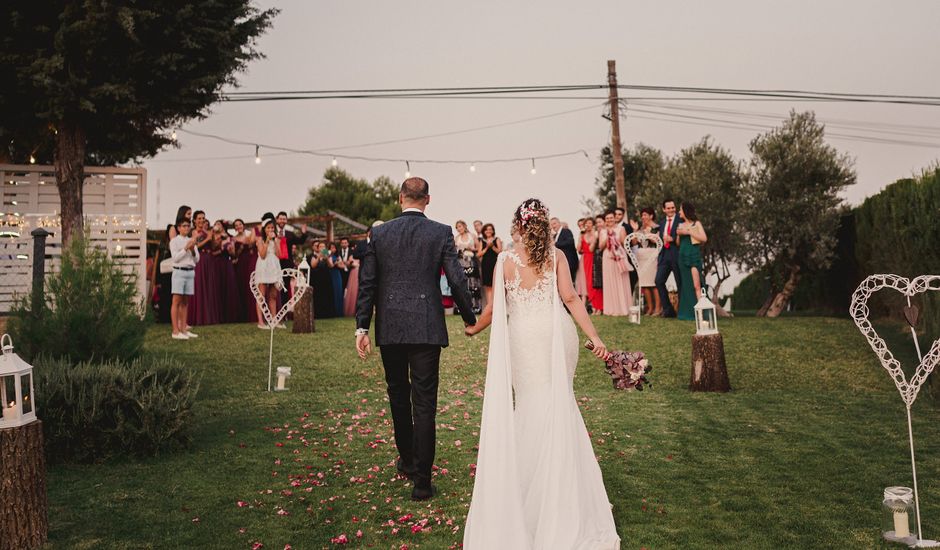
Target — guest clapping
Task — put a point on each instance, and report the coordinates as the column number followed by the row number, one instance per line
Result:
column 268, row 268
column 691, row 237
column 466, row 246
column 668, row 257
column 646, row 257
column 487, row 251
column 617, row 294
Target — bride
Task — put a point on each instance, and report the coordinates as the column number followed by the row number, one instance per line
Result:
column 538, row 485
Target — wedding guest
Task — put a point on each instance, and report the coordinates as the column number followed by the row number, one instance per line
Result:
column 488, row 249
column 286, row 241
column 268, row 268
column 352, row 286
column 617, row 294
column 162, row 298
column 595, row 296
column 232, row 308
column 478, row 228
column 183, row 212
column 345, row 255
column 668, row 261
column 646, row 256
column 205, row 305
column 629, row 226
column 245, row 256
column 691, row 237
column 185, row 255
column 466, row 246
column 564, row 241
column 597, row 281
column 336, row 278
column 321, row 278
column 580, row 286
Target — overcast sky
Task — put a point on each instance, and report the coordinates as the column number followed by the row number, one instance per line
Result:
column 844, row 46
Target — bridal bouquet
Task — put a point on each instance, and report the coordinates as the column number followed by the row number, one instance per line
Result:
column 627, row 369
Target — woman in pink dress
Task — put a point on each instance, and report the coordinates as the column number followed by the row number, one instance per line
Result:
column 618, row 297
column 352, row 286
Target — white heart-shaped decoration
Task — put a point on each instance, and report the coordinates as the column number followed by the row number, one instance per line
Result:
column 300, row 287
column 859, row 312
column 642, row 237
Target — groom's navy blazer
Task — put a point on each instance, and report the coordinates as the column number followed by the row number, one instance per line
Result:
column 400, row 275
column 671, row 253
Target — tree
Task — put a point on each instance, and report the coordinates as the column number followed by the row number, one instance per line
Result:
column 641, row 165
column 790, row 204
column 100, row 82
column 356, row 198
column 708, row 176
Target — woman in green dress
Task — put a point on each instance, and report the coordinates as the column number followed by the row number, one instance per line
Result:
column 691, row 237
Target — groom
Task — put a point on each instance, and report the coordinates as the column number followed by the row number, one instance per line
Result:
column 400, row 276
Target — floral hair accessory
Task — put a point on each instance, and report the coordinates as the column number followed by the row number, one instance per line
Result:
column 531, row 210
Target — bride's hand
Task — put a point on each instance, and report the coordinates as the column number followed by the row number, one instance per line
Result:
column 470, row 330
column 600, row 350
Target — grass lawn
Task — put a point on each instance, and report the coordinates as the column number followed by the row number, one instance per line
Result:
column 797, row 456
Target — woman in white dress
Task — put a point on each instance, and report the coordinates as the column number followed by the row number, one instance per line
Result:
column 268, row 269
column 538, row 485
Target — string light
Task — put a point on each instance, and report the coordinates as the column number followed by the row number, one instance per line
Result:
column 473, row 167
column 532, row 171
column 257, row 154
column 173, row 135
column 335, row 162
column 32, row 159
column 407, row 169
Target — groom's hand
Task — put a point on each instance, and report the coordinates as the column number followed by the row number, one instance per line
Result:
column 469, row 330
column 363, row 345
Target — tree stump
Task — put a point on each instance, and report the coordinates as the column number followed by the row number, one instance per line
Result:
column 303, row 314
column 23, row 521
column 709, row 371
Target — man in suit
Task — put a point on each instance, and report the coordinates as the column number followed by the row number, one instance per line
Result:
column 668, row 261
column 400, row 277
column 345, row 255
column 564, row 241
column 287, row 241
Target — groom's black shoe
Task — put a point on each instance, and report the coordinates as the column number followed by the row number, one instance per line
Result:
column 408, row 472
column 419, row 493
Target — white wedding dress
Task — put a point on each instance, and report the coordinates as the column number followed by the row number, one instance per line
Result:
column 538, row 485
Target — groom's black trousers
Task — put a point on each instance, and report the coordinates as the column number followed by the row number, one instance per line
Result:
column 413, row 401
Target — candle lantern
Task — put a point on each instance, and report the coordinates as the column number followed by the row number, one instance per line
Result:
column 635, row 315
column 283, row 373
column 898, row 506
column 706, row 319
column 304, row 268
column 16, row 387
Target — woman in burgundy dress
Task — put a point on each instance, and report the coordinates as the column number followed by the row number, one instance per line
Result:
column 232, row 306
column 245, row 256
column 206, row 302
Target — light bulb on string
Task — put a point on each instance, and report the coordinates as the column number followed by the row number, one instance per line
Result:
column 532, row 171
column 257, row 154
column 407, row 169
column 173, row 135
column 335, row 162
column 473, row 167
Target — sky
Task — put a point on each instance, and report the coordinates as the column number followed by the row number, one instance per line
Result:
column 842, row 46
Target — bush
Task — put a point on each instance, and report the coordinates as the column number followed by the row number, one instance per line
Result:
column 93, row 411
column 91, row 311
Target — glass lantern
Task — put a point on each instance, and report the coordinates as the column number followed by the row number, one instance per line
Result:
column 899, row 515
column 16, row 388
column 304, row 268
column 706, row 319
column 635, row 315
column 283, row 373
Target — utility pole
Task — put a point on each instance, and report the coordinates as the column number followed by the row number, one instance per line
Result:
column 615, row 148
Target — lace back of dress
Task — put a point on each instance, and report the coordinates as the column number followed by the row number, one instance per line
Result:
column 525, row 286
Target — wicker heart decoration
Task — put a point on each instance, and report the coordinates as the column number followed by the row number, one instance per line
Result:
column 642, row 237
column 300, row 287
column 859, row 312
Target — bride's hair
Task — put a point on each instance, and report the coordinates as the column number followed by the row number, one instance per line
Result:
column 531, row 220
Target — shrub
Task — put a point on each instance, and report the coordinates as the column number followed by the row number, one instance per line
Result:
column 91, row 311
column 93, row 411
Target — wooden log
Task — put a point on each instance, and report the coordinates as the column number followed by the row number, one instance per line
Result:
column 23, row 520
column 303, row 314
column 709, row 371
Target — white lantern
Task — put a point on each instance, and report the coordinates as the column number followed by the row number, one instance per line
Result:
column 635, row 315
column 706, row 319
column 304, row 268
column 283, row 373
column 16, row 388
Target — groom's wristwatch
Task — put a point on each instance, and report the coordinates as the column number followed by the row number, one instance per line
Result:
column 362, row 331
